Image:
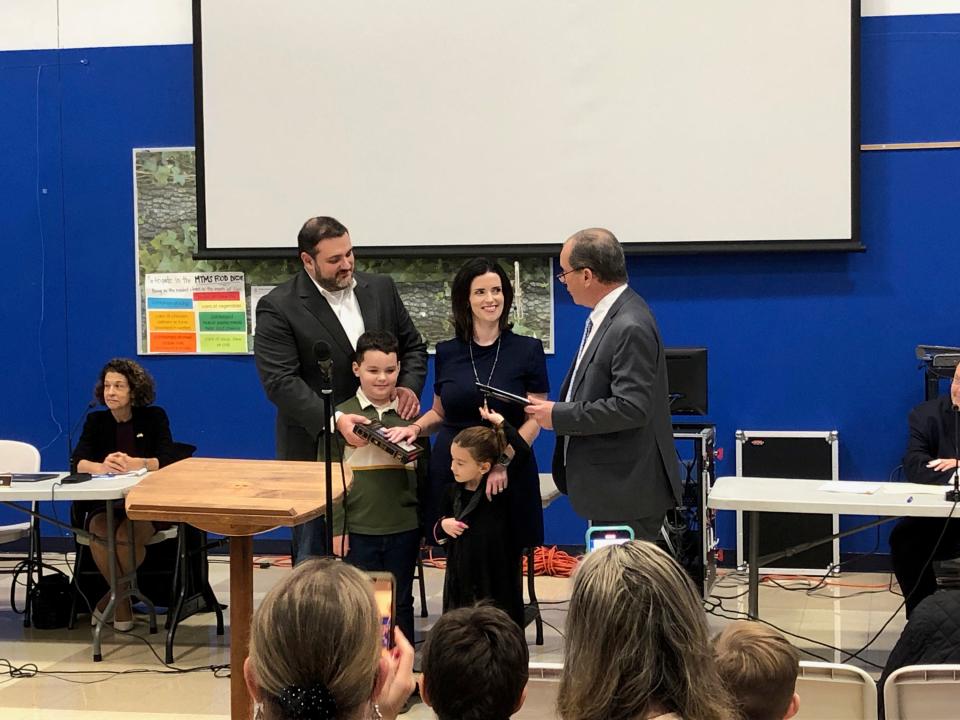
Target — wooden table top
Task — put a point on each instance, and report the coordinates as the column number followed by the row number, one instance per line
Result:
column 232, row 497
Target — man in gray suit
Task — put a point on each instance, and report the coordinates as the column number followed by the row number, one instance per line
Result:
column 615, row 455
column 327, row 301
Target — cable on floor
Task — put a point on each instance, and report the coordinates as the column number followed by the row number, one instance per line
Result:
column 551, row 562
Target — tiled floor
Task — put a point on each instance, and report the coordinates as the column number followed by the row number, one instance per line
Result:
column 132, row 681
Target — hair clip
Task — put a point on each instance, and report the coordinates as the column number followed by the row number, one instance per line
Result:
column 311, row 703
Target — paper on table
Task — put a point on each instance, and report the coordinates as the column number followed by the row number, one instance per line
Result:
column 854, row 487
column 914, row 489
column 131, row 474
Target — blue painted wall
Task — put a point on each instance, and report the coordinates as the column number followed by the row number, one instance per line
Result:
column 796, row 341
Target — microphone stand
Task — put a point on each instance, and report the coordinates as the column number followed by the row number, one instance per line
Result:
column 953, row 495
column 321, row 353
column 326, row 394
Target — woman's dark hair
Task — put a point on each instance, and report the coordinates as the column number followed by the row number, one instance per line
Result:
column 460, row 295
column 143, row 390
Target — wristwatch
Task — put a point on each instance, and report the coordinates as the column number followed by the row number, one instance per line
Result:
column 504, row 460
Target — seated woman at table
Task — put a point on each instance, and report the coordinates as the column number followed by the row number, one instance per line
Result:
column 316, row 649
column 131, row 434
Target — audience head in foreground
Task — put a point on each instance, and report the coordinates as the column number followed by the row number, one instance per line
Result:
column 475, row 665
column 316, row 651
column 637, row 645
column 759, row 666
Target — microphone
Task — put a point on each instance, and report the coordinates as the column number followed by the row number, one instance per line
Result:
column 90, row 405
column 321, row 354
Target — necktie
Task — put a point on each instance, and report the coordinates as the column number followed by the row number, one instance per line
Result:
column 588, row 328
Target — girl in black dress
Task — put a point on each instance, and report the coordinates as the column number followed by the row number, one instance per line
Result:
column 482, row 561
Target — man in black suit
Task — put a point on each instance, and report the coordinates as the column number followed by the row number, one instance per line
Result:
column 931, row 458
column 615, row 455
column 327, row 301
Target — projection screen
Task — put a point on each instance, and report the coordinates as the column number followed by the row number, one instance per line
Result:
column 434, row 127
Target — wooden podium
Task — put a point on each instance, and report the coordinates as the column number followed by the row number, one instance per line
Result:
column 236, row 498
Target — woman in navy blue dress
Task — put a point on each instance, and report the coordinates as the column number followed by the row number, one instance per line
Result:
column 486, row 350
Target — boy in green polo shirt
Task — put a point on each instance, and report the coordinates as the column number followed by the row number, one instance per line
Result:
column 382, row 525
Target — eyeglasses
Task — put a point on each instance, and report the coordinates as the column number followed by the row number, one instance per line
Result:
column 560, row 276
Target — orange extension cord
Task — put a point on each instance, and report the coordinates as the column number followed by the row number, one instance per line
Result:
column 546, row 561
column 553, row 562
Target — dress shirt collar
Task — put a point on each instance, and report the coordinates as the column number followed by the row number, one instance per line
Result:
column 366, row 402
column 601, row 309
column 338, row 297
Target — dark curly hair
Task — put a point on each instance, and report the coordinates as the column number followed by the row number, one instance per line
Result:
column 143, row 390
column 460, row 295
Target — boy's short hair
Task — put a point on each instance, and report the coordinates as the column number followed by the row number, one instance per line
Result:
column 380, row 340
column 759, row 666
column 475, row 664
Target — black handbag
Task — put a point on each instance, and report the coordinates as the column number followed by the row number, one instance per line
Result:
column 48, row 600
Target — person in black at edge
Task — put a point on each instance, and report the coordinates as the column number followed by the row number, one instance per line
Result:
column 931, row 458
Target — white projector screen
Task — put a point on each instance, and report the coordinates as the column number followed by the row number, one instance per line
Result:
column 429, row 127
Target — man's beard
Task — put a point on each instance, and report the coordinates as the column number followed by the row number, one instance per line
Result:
column 334, row 284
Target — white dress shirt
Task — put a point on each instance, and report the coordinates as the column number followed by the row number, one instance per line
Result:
column 345, row 306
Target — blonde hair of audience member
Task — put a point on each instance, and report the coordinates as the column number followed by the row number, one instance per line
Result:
column 637, row 645
column 759, row 667
column 316, row 651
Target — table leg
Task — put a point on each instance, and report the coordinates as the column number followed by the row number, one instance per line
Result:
column 112, row 564
column 34, row 563
column 241, row 610
column 133, row 589
column 753, row 553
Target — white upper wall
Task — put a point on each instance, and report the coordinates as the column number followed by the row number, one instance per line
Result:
column 28, row 24
column 908, row 7
column 45, row 24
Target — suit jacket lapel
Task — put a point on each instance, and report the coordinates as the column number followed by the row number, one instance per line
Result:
column 597, row 338
column 369, row 308
column 566, row 383
column 321, row 310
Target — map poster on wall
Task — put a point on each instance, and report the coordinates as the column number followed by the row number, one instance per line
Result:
column 196, row 313
column 165, row 236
